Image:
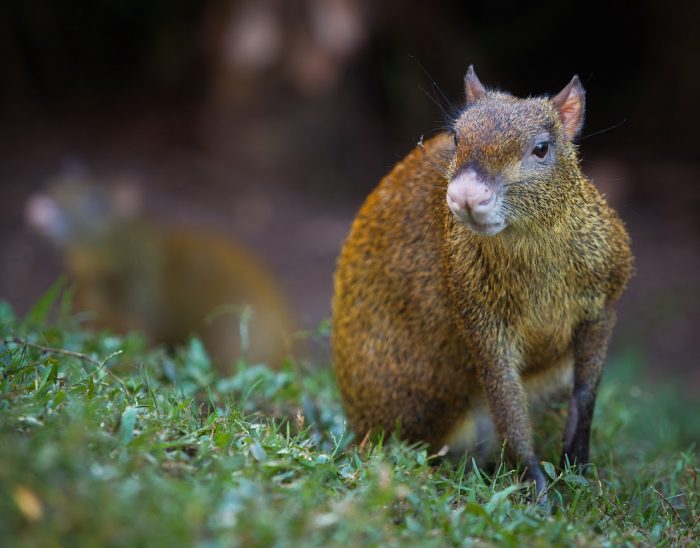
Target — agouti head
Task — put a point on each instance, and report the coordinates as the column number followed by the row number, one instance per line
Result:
column 513, row 159
column 75, row 211
column 86, row 222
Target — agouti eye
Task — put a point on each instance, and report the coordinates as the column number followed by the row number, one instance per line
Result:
column 540, row 150
column 454, row 139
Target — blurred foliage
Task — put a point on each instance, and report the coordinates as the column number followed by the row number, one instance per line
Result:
column 105, row 442
column 639, row 56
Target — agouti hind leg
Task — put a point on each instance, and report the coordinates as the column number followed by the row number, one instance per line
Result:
column 590, row 346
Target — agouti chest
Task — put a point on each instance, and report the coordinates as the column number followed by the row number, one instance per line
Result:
column 528, row 302
column 545, row 324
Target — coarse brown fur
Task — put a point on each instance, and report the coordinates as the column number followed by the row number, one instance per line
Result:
column 435, row 326
column 172, row 283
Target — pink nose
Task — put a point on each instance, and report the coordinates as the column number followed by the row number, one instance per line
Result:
column 468, row 192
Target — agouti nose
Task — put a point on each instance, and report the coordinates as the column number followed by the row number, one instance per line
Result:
column 467, row 191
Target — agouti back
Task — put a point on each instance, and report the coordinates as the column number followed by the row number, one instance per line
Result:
column 169, row 282
column 478, row 278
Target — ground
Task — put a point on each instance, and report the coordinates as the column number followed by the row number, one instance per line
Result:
column 105, row 442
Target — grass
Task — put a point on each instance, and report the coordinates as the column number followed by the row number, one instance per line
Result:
column 105, row 442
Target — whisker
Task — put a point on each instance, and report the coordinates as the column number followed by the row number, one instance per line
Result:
column 425, row 234
column 448, row 114
column 430, row 203
column 451, row 112
column 624, row 120
column 421, row 189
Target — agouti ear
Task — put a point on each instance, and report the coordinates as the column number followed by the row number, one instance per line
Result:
column 571, row 104
column 473, row 88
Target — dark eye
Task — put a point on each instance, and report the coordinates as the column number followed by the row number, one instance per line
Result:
column 540, row 150
column 454, row 139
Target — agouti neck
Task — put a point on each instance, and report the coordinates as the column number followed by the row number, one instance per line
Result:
column 514, row 246
column 523, row 246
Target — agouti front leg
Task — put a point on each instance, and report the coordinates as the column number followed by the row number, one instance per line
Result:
column 590, row 346
column 507, row 402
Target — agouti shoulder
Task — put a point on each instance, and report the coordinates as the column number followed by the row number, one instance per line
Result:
column 478, row 278
column 170, row 282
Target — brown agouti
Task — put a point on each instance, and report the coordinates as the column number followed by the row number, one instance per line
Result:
column 479, row 278
column 169, row 282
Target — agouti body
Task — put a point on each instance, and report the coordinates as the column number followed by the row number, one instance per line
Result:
column 478, row 279
column 168, row 282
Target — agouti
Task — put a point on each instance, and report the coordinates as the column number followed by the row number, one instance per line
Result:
column 479, row 279
column 168, row 282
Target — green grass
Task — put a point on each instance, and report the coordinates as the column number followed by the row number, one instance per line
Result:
column 104, row 442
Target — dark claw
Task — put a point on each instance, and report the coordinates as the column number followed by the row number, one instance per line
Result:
column 535, row 473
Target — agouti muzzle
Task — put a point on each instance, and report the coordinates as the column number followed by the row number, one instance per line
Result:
column 478, row 280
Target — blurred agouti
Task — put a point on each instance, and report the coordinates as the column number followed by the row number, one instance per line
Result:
column 479, row 278
column 168, row 282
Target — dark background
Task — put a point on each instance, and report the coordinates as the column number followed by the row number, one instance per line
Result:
column 270, row 121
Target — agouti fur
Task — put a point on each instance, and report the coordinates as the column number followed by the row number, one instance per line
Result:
column 168, row 282
column 450, row 320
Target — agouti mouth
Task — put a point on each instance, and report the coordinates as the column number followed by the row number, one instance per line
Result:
column 485, row 229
